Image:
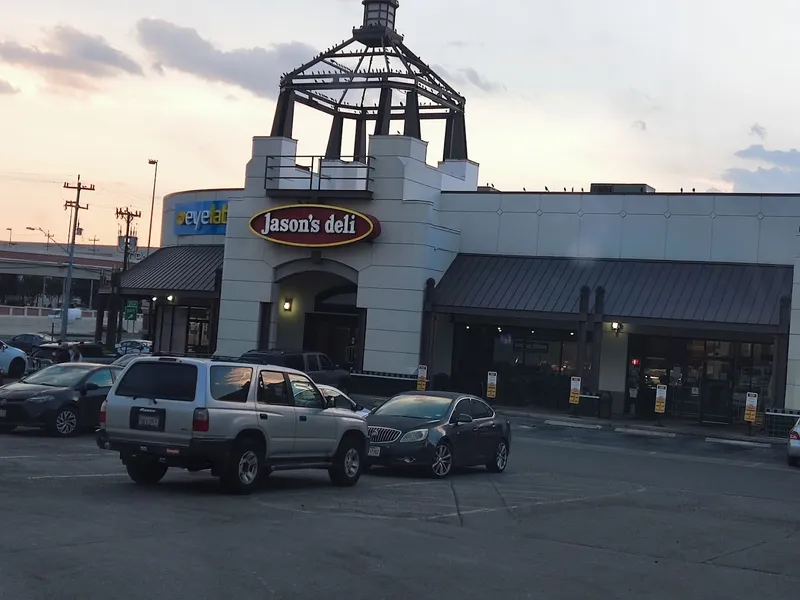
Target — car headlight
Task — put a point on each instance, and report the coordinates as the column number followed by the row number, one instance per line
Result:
column 41, row 399
column 417, row 435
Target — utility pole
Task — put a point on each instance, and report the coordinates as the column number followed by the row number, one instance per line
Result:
column 127, row 216
column 76, row 207
column 152, row 161
column 94, row 241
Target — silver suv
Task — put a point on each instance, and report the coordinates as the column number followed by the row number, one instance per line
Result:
column 240, row 420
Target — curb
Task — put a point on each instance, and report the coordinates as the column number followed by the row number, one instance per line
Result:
column 644, row 430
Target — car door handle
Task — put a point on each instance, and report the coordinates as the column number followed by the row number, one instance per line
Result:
column 263, row 416
column 303, row 418
column 475, row 428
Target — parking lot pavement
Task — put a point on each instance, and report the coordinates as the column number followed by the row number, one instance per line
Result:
column 571, row 518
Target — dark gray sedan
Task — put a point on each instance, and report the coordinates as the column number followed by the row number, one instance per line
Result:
column 63, row 398
column 437, row 431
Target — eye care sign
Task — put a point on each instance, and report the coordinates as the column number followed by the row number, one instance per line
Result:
column 201, row 218
column 314, row 226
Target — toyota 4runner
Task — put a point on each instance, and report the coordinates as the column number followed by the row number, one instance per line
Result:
column 241, row 421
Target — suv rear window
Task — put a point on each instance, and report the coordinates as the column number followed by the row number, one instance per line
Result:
column 231, row 384
column 167, row 381
column 294, row 361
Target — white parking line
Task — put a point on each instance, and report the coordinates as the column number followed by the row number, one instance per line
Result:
column 64, row 455
column 645, row 432
column 742, row 443
column 37, row 477
column 572, row 424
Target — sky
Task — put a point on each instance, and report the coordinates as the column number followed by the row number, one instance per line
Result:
column 686, row 94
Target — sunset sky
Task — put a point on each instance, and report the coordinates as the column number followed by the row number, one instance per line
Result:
column 690, row 93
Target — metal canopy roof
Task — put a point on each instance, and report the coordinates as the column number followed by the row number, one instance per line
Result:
column 176, row 269
column 635, row 289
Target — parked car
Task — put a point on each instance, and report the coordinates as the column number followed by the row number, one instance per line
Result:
column 13, row 361
column 45, row 355
column 134, row 347
column 28, row 342
column 436, row 431
column 240, row 420
column 793, row 447
column 316, row 365
column 336, row 398
column 62, row 398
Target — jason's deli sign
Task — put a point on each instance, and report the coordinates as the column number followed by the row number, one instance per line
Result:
column 314, row 226
column 201, row 218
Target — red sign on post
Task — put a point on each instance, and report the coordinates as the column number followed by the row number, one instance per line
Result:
column 314, row 225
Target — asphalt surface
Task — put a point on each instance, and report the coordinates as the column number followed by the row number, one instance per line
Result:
column 578, row 514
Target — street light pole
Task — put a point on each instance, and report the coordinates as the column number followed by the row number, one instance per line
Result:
column 152, row 161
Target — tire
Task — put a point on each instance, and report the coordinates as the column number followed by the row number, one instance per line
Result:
column 499, row 463
column 145, row 472
column 442, row 464
column 348, row 464
column 16, row 369
column 244, row 469
column 7, row 428
column 64, row 422
column 792, row 461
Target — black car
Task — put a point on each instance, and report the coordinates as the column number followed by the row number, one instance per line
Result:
column 45, row 355
column 314, row 364
column 63, row 398
column 27, row 342
column 437, row 431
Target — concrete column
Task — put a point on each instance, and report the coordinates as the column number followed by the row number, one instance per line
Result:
column 793, row 362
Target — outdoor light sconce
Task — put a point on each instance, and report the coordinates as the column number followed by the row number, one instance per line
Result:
column 170, row 298
column 287, row 305
column 617, row 328
column 155, row 298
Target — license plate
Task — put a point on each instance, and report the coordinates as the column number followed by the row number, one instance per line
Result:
column 374, row 451
column 2, row 413
column 149, row 421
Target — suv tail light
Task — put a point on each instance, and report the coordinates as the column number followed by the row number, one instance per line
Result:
column 103, row 407
column 200, row 419
column 793, row 435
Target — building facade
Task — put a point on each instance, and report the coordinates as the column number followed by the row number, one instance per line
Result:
column 386, row 262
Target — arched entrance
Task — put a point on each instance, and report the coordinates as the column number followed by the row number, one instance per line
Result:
column 317, row 313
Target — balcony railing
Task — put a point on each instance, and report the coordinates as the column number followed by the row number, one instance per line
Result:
column 318, row 174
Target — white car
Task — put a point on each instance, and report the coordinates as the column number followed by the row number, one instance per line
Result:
column 13, row 361
column 336, row 398
column 73, row 314
column 134, row 347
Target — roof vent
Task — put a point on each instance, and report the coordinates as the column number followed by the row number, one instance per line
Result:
column 621, row 188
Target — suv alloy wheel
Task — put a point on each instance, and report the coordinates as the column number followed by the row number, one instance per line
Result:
column 348, row 463
column 242, row 473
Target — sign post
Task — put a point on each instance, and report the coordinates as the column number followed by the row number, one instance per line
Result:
column 661, row 399
column 491, row 384
column 750, row 410
column 422, row 378
column 574, row 394
column 131, row 310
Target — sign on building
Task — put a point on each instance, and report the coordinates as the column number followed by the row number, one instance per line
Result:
column 208, row 217
column 751, row 407
column 314, row 226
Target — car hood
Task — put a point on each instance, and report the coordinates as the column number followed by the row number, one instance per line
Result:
column 23, row 391
column 401, row 423
column 343, row 412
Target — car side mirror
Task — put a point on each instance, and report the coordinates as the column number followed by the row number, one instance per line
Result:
column 463, row 419
column 90, row 387
column 330, row 402
column 358, row 407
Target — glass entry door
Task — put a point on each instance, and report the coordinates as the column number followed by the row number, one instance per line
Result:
column 717, row 390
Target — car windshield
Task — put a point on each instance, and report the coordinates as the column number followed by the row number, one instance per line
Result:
column 418, row 407
column 59, row 375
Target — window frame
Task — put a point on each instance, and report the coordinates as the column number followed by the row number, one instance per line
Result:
column 97, row 372
column 259, row 383
column 322, row 404
column 478, row 401
column 321, row 357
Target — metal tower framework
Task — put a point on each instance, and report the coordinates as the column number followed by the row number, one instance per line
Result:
column 373, row 76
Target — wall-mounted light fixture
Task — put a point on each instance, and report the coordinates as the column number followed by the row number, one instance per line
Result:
column 287, row 304
column 500, row 330
column 617, row 328
column 155, row 299
column 170, row 298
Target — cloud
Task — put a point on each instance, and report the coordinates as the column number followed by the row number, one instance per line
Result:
column 782, row 175
column 758, row 130
column 640, row 125
column 257, row 70
column 6, row 88
column 469, row 76
column 71, row 58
